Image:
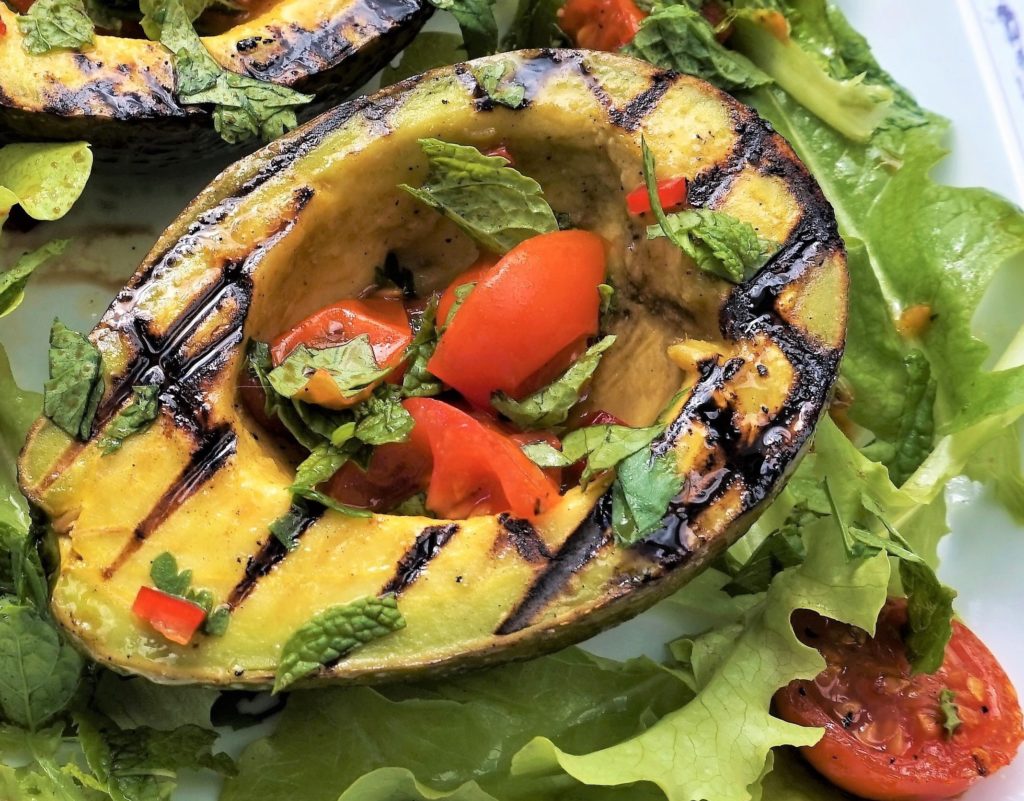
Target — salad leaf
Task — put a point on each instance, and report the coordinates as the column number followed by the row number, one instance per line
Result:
column 477, row 23
column 334, row 633
column 644, row 487
column 603, row 447
column 351, row 366
column 134, row 418
column 535, row 25
column 18, row 410
column 430, row 49
column 75, row 387
column 492, row 202
column 44, row 179
column 55, row 24
column 549, row 406
column 13, row 281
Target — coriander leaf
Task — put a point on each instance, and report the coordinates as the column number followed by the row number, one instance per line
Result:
column 334, row 633
column 535, row 25
column 39, row 672
column 134, row 418
column 44, row 179
column 550, row 406
column 929, row 616
column 166, row 578
column 492, row 202
column 950, row 712
column 418, row 382
column 244, row 108
column 679, row 37
column 491, row 78
column 718, row 243
column 351, row 366
column 75, row 387
column 386, row 419
column 602, row 446
column 645, row 486
column 477, row 23
column 53, row 24
column 13, row 281
column 428, row 50
column 914, row 439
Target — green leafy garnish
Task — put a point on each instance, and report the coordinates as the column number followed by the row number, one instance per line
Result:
column 287, row 527
column 492, row 202
column 782, row 549
column 549, row 406
column 351, row 366
column 602, row 446
column 644, row 487
column 476, row 21
column 13, row 281
column 914, row 439
column 418, row 382
column 334, row 633
column 383, row 418
column 243, row 108
column 75, row 387
column 323, row 462
column 55, row 24
column 929, row 615
column 167, row 578
column 134, row 418
column 491, row 78
column 535, row 25
column 950, row 712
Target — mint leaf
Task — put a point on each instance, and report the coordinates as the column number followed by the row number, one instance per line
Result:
column 494, row 203
column 286, row 528
column 477, row 23
column 645, row 485
column 21, row 568
column 929, row 616
column 166, row 578
column 13, row 281
column 323, row 462
column 292, row 414
column 73, row 392
column 243, row 108
column 678, row 37
column 383, row 418
column 717, row 242
column 350, row 365
column 782, row 549
column 39, row 672
column 134, row 418
column 491, row 78
column 334, row 633
column 55, row 24
column 950, row 712
column 550, row 406
column 602, row 446
column 418, row 382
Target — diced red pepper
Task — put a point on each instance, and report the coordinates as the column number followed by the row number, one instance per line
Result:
column 672, row 192
column 173, row 617
column 502, row 151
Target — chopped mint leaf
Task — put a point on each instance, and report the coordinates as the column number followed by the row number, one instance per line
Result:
column 429, row 50
column 718, row 243
column 602, row 446
column 286, row 528
column 13, row 281
column 351, row 366
column 323, row 462
column 75, row 387
column 492, row 202
column 55, row 25
column 334, row 633
column 477, row 23
column 461, row 292
column 549, row 407
column 929, row 616
column 385, row 420
column 416, row 506
column 243, row 108
column 166, row 577
column 679, row 37
column 491, row 78
column 645, row 486
column 783, row 548
column 607, row 293
column 217, row 621
column 950, row 712
column 134, row 418
column 418, row 381
column 535, row 25
column 290, row 413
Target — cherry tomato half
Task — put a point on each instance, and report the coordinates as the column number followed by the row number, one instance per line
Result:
column 884, row 735
column 384, row 320
column 601, row 24
column 672, row 193
column 476, row 468
column 174, row 617
column 526, row 313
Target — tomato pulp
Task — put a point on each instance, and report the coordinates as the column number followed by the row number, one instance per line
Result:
column 601, row 24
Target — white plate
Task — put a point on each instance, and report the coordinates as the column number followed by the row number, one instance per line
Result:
column 959, row 57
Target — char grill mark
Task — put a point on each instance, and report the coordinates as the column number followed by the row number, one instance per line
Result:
column 524, row 538
column 217, row 447
column 414, row 562
column 272, row 553
column 632, row 115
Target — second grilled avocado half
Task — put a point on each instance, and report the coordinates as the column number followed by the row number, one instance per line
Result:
column 306, row 221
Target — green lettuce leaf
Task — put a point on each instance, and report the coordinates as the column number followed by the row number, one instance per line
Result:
column 44, row 179
column 13, row 281
column 18, row 410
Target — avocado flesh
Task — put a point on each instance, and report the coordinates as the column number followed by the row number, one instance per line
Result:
column 119, row 94
column 305, row 222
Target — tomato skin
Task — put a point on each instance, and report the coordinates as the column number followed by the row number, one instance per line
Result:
column 502, row 150
column 535, row 303
column 472, row 275
column 175, row 618
column 396, row 471
column 384, row 320
column 601, row 24
column 475, row 468
column 672, row 192
column 884, row 738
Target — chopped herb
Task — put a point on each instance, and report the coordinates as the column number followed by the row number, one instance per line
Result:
column 287, row 527
column 13, row 281
column 607, row 293
column 333, row 634
column 781, row 549
column 950, row 712
column 72, row 394
column 134, row 418
column 549, row 407
column 323, row 462
column 476, row 21
column 54, row 25
column 385, row 420
column 645, row 486
column 602, row 446
column 167, row 578
column 492, row 202
column 535, row 25
column 418, row 382
column 491, row 78
column 351, row 366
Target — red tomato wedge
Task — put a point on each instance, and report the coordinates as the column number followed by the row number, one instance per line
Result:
column 601, row 24
column 174, row 617
column 884, row 735
column 526, row 312
column 672, row 192
column 471, row 276
column 396, row 471
column 476, row 469
column 384, row 320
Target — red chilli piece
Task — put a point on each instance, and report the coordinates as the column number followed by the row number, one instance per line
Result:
column 673, row 193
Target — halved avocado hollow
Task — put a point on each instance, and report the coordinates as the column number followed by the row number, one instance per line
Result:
column 120, row 93
column 305, row 222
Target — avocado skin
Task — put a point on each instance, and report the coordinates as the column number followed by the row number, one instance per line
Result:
column 239, row 263
column 145, row 126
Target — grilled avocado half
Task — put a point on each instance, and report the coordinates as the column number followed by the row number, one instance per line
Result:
column 120, row 94
column 305, row 222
